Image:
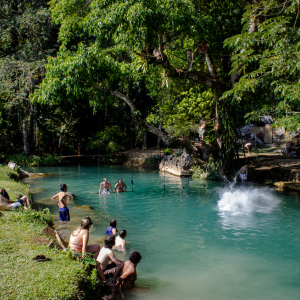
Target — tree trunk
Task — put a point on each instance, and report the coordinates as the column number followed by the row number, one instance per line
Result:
column 139, row 120
column 217, row 123
column 145, row 140
column 158, row 139
column 25, row 133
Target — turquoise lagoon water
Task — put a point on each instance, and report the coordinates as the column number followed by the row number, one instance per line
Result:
column 206, row 241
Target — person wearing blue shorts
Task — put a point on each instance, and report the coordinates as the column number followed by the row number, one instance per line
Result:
column 63, row 211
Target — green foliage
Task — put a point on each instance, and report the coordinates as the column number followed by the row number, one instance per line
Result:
column 112, row 140
column 8, row 181
column 35, row 160
column 270, row 62
column 209, row 171
column 167, row 151
column 27, row 38
column 43, row 217
column 182, row 113
column 99, row 57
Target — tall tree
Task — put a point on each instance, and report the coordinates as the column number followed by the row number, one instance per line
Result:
column 107, row 46
column 27, row 38
column 269, row 61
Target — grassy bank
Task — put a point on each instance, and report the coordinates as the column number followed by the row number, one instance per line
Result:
column 21, row 239
column 8, row 181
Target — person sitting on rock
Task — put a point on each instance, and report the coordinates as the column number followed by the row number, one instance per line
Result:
column 120, row 186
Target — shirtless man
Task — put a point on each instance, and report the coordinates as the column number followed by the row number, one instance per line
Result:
column 106, row 257
column 128, row 271
column 202, row 127
column 105, row 185
column 120, row 186
column 63, row 210
column 203, row 49
column 244, row 173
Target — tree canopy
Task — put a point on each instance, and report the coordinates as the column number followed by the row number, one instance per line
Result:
column 143, row 59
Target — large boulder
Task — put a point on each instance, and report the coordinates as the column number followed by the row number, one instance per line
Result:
column 179, row 166
column 12, row 165
column 203, row 150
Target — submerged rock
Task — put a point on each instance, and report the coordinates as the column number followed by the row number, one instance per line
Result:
column 287, row 185
column 27, row 174
column 179, row 166
column 85, row 207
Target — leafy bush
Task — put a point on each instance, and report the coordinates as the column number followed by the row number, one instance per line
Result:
column 41, row 216
column 209, row 171
column 35, row 160
column 168, row 151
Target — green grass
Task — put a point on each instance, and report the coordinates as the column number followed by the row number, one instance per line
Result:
column 13, row 188
column 22, row 278
column 21, row 239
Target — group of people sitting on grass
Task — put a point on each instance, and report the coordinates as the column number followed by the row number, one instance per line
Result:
column 7, row 204
column 108, row 265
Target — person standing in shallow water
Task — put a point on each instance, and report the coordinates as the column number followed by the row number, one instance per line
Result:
column 244, row 173
column 105, row 185
column 120, row 186
column 63, row 211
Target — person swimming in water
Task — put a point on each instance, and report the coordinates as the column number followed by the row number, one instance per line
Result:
column 120, row 241
column 63, row 211
column 105, row 185
column 128, row 272
column 120, row 186
column 112, row 228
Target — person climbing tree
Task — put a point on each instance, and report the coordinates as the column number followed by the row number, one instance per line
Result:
column 203, row 49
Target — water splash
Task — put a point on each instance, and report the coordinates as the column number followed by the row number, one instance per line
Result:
column 247, row 200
